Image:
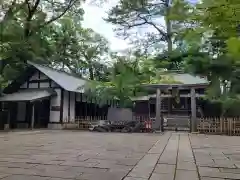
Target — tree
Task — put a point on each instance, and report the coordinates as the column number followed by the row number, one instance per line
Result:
column 216, row 40
column 25, row 28
column 128, row 76
column 93, row 49
column 124, row 81
column 30, row 31
column 37, row 13
column 161, row 16
column 80, row 50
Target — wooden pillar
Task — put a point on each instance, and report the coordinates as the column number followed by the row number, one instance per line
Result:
column 33, row 117
column 95, row 108
column 149, row 110
column 158, row 110
column 7, row 125
column 193, row 111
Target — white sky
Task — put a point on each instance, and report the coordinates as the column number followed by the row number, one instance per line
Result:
column 93, row 18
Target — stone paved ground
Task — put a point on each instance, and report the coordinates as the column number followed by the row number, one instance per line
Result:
column 66, row 155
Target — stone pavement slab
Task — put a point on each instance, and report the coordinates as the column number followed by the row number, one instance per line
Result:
column 183, row 174
column 66, row 155
column 208, row 178
column 3, row 175
column 134, row 178
column 162, row 176
column 216, row 156
column 164, row 169
column 59, row 155
column 147, row 164
column 25, row 177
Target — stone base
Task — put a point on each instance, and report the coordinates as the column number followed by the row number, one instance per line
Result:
column 55, row 126
column 22, row 125
column 70, row 126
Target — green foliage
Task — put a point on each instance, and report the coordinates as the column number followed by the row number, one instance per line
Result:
column 212, row 46
column 230, row 106
column 27, row 31
column 124, row 82
column 49, row 32
column 233, row 47
column 92, row 49
column 3, row 84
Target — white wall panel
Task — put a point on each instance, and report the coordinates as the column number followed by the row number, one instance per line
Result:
column 72, row 106
column 44, row 85
column 55, row 101
column 33, row 85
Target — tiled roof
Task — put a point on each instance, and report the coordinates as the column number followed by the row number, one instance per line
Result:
column 28, row 95
column 66, row 80
column 185, row 78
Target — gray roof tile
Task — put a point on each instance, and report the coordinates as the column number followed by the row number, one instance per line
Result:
column 66, row 80
column 28, row 95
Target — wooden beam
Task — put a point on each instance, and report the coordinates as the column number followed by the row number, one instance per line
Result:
column 193, row 111
column 158, row 110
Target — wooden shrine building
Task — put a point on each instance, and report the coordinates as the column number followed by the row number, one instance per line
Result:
column 180, row 99
column 45, row 97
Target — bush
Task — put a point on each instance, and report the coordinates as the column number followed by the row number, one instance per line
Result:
column 230, row 107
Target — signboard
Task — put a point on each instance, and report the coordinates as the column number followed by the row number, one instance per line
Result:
column 55, row 108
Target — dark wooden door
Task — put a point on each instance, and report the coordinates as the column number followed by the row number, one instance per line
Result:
column 42, row 113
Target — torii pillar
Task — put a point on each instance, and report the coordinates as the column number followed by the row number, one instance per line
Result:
column 158, row 110
column 193, row 111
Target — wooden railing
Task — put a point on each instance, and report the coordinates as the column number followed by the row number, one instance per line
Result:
column 223, row 126
column 85, row 123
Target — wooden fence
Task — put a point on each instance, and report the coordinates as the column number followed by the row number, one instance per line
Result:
column 223, row 126
column 84, row 122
